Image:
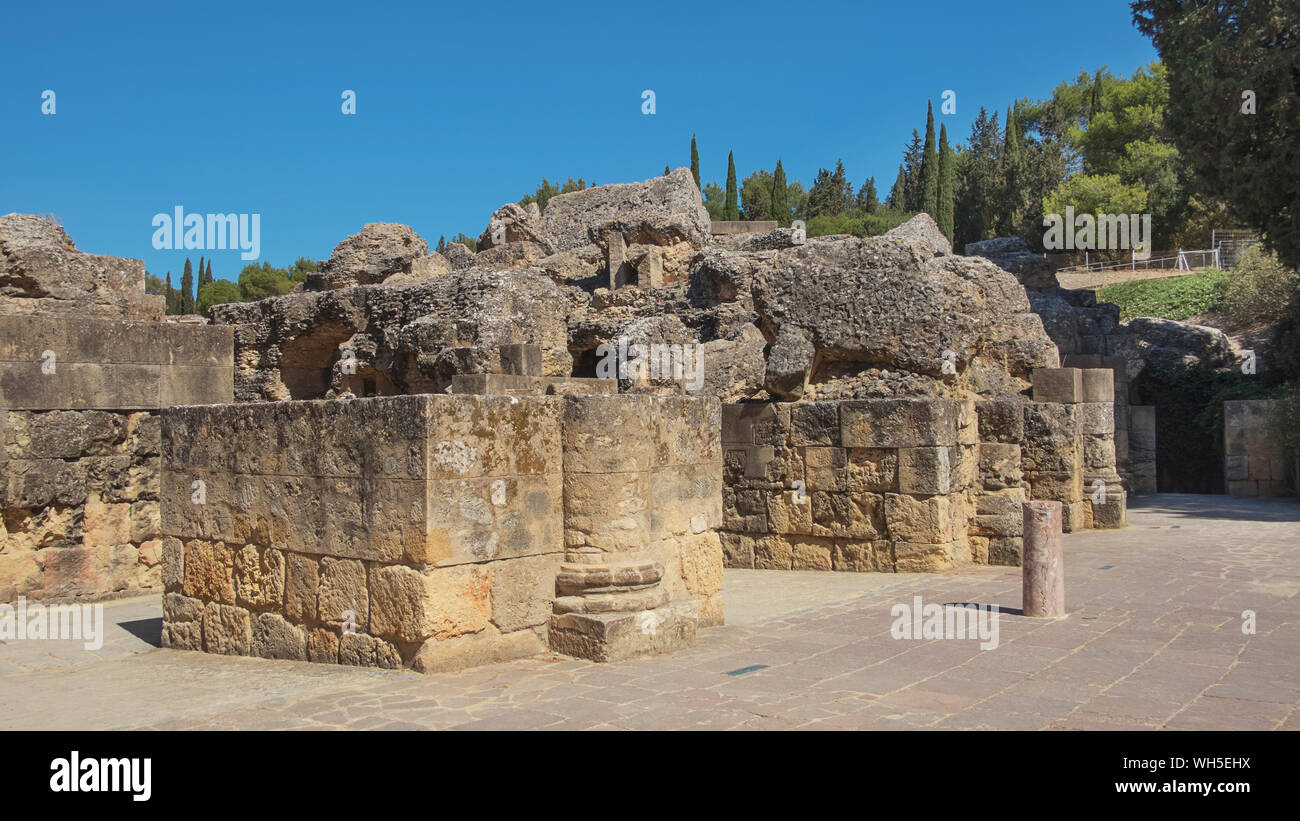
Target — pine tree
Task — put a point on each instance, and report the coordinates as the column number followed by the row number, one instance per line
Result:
column 929, row 167
column 695, row 162
column 867, row 197
column 898, row 194
column 187, row 289
column 732, row 210
column 947, row 182
column 442, row 243
column 780, row 197
column 667, row 171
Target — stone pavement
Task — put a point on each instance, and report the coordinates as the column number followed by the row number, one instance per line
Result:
column 1154, row 640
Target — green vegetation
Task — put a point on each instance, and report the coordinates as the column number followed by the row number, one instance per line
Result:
column 255, row 282
column 1257, row 290
column 1229, row 80
column 1170, row 298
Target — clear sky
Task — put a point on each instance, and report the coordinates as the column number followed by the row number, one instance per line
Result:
column 235, row 107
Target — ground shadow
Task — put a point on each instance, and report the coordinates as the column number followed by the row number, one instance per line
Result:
column 146, row 630
column 1207, row 506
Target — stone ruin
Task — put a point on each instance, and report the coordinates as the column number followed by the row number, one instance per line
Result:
column 86, row 367
column 428, row 461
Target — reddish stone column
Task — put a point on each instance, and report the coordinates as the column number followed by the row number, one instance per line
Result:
column 1043, row 564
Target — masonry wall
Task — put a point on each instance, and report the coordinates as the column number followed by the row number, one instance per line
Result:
column 426, row 531
column 79, row 447
column 1254, row 462
column 885, row 485
column 899, row 485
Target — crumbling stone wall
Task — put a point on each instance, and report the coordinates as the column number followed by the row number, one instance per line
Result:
column 433, row 532
column 81, row 385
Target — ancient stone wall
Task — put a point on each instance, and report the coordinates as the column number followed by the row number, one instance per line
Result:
column 79, row 440
column 901, row 485
column 883, row 485
column 1255, row 463
column 433, row 532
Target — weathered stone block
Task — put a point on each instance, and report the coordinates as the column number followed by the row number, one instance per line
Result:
column 924, row 471
column 276, row 638
column 412, row 605
column 209, row 572
column 343, row 597
column 1098, row 384
column 259, row 578
column 226, row 630
column 897, row 423
column 1060, row 385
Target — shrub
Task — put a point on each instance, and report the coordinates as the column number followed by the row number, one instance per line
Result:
column 1257, row 290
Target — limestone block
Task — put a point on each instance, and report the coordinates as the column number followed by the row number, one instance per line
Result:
column 815, row 423
column 484, row 647
column 701, row 559
column 1096, row 417
column 914, row 557
column 227, row 630
column 863, row 556
column 1001, row 420
column 1058, row 385
column 412, row 605
column 323, row 646
column 259, row 578
column 848, row 515
column 929, row 520
column 1098, row 384
column 789, row 512
column 825, row 468
column 999, row 465
column 361, row 650
column 342, row 592
column 173, row 564
column 872, row 470
column 209, row 572
column 276, row 638
column 924, row 471
column 773, row 553
column 522, row 591
column 897, row 423
column 737, row 550
column 301, row 587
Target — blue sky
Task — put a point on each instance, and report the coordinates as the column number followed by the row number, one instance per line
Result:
column 235, row 107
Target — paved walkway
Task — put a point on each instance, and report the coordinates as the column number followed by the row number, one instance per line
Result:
column 1154, row 640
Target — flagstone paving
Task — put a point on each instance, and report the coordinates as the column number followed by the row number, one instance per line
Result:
column 1154, row 639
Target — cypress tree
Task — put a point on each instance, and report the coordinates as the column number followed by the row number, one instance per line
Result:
column 912, row 176
column 695, row 162
column 929, row 167
column 169, row 296
column 187, row 289
column 780, row 208
column 898, row 194
column 947, row 182
column 202, row 277
column 209, row 269
column 731, row 210
column 1012, row 176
